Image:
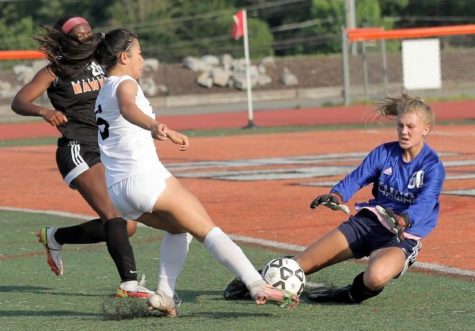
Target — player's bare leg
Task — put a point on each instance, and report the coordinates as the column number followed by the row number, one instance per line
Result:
column 195, row 220
column 330, row 249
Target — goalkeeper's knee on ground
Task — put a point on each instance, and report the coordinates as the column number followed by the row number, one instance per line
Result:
column 359, row 292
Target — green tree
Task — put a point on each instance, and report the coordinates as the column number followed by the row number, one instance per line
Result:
column 393, row 7
column 16, row 28
column 331, row 14
column 20, row 20
column 438, row 10
column 368, row 13
column 171, row 30
column 260, row 40
column 17, row 35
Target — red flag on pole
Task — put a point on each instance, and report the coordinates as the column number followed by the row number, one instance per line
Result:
column 238, row 26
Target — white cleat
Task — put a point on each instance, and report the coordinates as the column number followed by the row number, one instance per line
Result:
column 165, row 305
column 53, row 249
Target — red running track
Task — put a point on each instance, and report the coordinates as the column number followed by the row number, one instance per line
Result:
column 445, row 111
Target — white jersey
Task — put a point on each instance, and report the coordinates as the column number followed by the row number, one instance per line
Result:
column 126, row 149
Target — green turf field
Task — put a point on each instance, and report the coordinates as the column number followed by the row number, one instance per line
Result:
column 32, row 298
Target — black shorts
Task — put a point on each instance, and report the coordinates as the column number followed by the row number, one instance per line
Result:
column 366, row 234
column 73, row 158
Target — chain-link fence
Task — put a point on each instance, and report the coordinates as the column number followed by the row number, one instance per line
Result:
column 378, row 68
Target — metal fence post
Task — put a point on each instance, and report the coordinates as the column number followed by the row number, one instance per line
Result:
column 346, row 68
column 365, row 69
column 385, row 67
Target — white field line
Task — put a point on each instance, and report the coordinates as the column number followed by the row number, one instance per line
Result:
column 296, row 248
column 261, row 242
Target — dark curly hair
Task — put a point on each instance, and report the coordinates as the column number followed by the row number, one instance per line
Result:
column 67, row 54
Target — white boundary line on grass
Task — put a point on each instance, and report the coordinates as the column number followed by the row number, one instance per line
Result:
column 261, row 242
column 297, row 248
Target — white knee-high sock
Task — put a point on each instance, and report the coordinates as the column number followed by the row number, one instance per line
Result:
column 173, row 252
column 232, row 257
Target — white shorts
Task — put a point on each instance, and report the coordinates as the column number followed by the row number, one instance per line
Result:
column 136, row 195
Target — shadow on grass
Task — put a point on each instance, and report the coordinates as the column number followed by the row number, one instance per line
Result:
column 44, row 290
column 229, row 314
column 23, row 289
column 46, row 313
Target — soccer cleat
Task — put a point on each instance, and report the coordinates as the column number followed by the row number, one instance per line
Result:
column 163, row 304
column 265, row 293
column 53, row 249
column 133, row 289
column 331, row 294
column 236, row 290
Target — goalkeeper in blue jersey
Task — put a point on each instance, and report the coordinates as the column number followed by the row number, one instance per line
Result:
column 406, row 177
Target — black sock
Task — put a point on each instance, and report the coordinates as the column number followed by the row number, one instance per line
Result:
column 120, row 249
column 86, row 233
column 359, row 292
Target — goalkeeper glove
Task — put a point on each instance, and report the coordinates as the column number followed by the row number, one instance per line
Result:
column 332, row 201
column 396, row 223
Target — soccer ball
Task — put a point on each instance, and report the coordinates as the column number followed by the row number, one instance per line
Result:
column 285, row 274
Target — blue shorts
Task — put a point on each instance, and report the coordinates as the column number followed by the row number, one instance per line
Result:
column 366, row 234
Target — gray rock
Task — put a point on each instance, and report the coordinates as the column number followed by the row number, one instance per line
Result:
column 220, row 76
column 210, row 60
column 195, row 64
column 151, row 65
column 149, row 86
column 204, row 79
column 287, row 78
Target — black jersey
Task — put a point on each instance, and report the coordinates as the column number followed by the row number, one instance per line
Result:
column 76, row 98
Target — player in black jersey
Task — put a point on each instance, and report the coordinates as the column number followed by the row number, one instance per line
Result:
column 72, row 81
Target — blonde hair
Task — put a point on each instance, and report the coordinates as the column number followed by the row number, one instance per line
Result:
column 391, row 107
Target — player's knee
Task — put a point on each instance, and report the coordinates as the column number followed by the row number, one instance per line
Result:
column 131, row 228
column 376, row 279
column 107, row 212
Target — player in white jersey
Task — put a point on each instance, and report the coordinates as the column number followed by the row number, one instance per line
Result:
column 143, row 190
column 124, row 157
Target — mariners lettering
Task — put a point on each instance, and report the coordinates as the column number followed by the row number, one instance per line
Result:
column 84, row 86
column 393, row 194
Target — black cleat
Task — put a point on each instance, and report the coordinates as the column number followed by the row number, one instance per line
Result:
column 331, row 295
column 236, row 290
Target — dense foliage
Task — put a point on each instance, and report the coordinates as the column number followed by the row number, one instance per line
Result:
column 172, row 29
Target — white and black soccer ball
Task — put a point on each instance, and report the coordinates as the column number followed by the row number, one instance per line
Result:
column 286, row 274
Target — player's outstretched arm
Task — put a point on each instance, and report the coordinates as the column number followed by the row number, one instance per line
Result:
column 332, row 201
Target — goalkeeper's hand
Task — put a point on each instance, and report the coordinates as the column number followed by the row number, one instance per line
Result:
column 332, row 201
column 396, row 223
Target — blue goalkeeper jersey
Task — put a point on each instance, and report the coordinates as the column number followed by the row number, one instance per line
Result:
column 408, row 188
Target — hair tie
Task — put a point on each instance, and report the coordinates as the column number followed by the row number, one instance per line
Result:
column 72, row 23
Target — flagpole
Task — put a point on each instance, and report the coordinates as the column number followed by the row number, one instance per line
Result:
column 248, row 74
